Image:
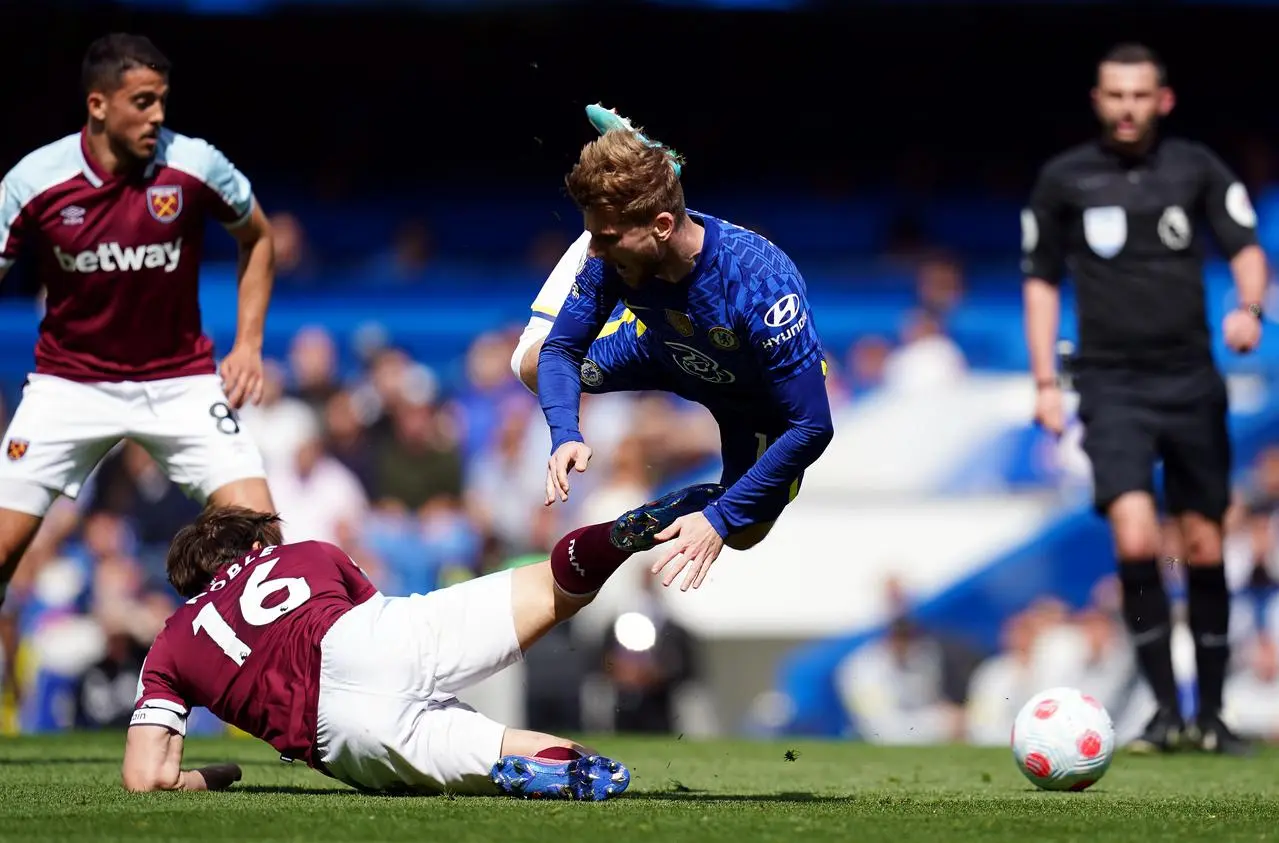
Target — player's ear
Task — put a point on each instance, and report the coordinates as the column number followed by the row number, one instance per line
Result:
column 664, row 226
column 1167, row 99
column 97, row 105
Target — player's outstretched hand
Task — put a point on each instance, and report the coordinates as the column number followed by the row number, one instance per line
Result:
column 242, row 376
column 694, row 547
column 1242, row 331
column 1049, row 412
column 567, row 457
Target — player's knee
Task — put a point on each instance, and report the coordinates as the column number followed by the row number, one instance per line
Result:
column 524, row 364
column 747, row 538
column 249, row 492
column 1201, row 539
column 517, row 361
column 1135, row 527
column 1135, row 541
column 18, row 527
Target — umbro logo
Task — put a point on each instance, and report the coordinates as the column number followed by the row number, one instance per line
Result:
column 72, row 215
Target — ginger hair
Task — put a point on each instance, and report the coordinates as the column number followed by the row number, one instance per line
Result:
column 619, row 174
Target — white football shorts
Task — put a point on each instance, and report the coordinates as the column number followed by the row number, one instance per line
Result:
column 62, row 429
column 390, row 668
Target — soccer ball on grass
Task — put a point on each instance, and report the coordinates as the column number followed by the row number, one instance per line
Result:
column 1063, row 739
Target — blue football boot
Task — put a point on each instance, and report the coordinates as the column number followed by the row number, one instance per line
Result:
column 635, row 531
column 591, row 778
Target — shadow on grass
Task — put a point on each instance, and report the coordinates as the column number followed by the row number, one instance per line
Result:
column 687, row 795
column 662, row 796
column 295, row 790
column 42, row 762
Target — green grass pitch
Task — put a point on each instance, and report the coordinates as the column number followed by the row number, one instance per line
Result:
column 66, row 788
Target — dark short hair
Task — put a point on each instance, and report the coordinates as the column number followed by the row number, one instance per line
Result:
column 1133, row 53
column 218, row 537
column 111, row 56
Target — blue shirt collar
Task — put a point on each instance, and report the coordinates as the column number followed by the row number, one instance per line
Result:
column 709, row 243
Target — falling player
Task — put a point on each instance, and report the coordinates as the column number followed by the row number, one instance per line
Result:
column 663, row 298
column 293, row 645
column 113, row 217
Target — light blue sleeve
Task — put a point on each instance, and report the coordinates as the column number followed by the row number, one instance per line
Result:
column 10, row 210
column 231, row 186
column 232, row 192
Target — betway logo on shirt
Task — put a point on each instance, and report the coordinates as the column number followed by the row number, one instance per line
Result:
column 112, row 257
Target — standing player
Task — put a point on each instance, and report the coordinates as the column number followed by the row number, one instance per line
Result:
column 1123, row 213
column 113, row 218
column 294, row 646
column 672, row 300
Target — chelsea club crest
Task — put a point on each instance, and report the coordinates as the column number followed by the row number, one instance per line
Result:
column 723, row 338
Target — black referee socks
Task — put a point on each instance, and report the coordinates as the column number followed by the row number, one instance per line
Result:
column 1147, row 616
column 1209, row 610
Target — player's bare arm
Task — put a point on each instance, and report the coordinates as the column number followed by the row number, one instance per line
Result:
column 1042, row 303
column 1043, row 265
column 242, row 367
column 153, row 761
column 1233, row 221
column 1242, row 327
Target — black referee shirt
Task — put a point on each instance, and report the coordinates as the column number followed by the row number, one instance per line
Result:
column 1130, row 234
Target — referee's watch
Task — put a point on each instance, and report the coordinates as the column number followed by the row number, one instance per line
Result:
column 1255, row 310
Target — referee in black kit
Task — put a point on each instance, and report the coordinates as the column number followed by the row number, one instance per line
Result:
column 1124, row 214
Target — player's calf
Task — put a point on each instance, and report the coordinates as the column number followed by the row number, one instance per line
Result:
column 17, row 531
column 551, row 592
column 583, row 560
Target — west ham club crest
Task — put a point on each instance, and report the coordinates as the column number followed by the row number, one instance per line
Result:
column 164, row 201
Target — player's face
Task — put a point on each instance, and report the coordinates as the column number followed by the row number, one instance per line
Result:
column 1129, row 101
column 635, row 251
column 133, row 113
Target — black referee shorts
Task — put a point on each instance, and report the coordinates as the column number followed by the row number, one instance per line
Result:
column 1133, row 419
